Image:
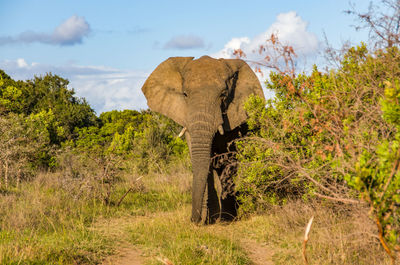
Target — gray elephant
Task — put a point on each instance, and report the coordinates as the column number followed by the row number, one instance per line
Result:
column 206, row 96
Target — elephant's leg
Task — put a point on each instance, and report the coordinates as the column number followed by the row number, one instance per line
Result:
column 213, row 200
column 217, row 187
column 211, row 209
column 227, row 198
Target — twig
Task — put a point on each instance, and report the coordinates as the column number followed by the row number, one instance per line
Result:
column 380, row 230
column 394, row 171
column 165, row 261
column 308, row 228
column 129, row 190
column 383, row 242
column 344, row 200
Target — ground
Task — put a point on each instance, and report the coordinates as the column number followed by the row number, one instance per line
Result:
column 275, row 238
column 128, row 254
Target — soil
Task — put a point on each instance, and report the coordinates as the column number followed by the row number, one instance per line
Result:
column 259, row 254
column 126, row 256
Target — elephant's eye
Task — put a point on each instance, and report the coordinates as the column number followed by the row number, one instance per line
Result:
column 185, row 94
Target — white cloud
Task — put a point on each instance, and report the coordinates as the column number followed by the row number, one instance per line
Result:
column 70, row 32
column 104, row 88
column 291, row 30
column 231, row 46
column 113, row 91
column 184, row 42
column 21, row 63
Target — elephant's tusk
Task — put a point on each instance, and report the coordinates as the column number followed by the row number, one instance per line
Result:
column 182, row 132
column 221, row 129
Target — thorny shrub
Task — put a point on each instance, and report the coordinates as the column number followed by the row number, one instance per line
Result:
column 330, row 135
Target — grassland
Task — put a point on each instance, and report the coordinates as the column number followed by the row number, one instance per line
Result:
column 61, row 219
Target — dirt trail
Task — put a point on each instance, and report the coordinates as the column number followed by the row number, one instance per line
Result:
column 258, row 253
column 128, row 254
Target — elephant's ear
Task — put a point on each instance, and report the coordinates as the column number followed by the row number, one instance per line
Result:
column 246, row 84
column 163, row 89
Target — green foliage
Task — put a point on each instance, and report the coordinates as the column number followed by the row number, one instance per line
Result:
column 44, row 111
column 12, row 95
column 157, row 145
column 333, row 135
column 27, row 145
column 49, row 92
column 147, row 139
column 377, row 173
column 36, row 116
column 310, row 134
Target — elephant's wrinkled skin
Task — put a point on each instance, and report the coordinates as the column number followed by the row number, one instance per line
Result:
column 206, row 96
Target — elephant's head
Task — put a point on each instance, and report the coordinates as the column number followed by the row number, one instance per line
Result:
column 206, row 96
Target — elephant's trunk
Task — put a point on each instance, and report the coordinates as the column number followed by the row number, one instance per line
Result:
column 202, row 132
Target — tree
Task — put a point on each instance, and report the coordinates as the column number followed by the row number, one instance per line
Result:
column 383, row 26
column 49, row 92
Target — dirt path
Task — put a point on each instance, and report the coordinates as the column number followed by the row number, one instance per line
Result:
column 258, row 253
column 128, row 254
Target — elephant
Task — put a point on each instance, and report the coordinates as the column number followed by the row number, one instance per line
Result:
column 206, row 96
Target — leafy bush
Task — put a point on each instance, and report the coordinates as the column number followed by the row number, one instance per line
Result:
column 377, row 173
column 26, row 144
column 331, row 135
column 146, row 140
column 49, row 92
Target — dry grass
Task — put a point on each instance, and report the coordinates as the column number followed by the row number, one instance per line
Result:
column 340, row 235
column 62, row 219
column 50, row 219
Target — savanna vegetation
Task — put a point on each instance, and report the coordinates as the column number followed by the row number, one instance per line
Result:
column 76, row 188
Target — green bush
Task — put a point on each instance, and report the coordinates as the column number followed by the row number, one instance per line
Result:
column 27, row 145
column 377, row 173
column 146, row 140
column 332, row 135
column 49, row 92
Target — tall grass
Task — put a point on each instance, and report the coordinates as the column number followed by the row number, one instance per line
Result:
column 339, row 235
column 51, row 219
column 71, row 217
column 47, row 222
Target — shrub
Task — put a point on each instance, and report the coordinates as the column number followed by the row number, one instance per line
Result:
column 331, row 135
column 26, row 144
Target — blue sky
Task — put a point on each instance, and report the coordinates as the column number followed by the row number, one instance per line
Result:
column 108, row 48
